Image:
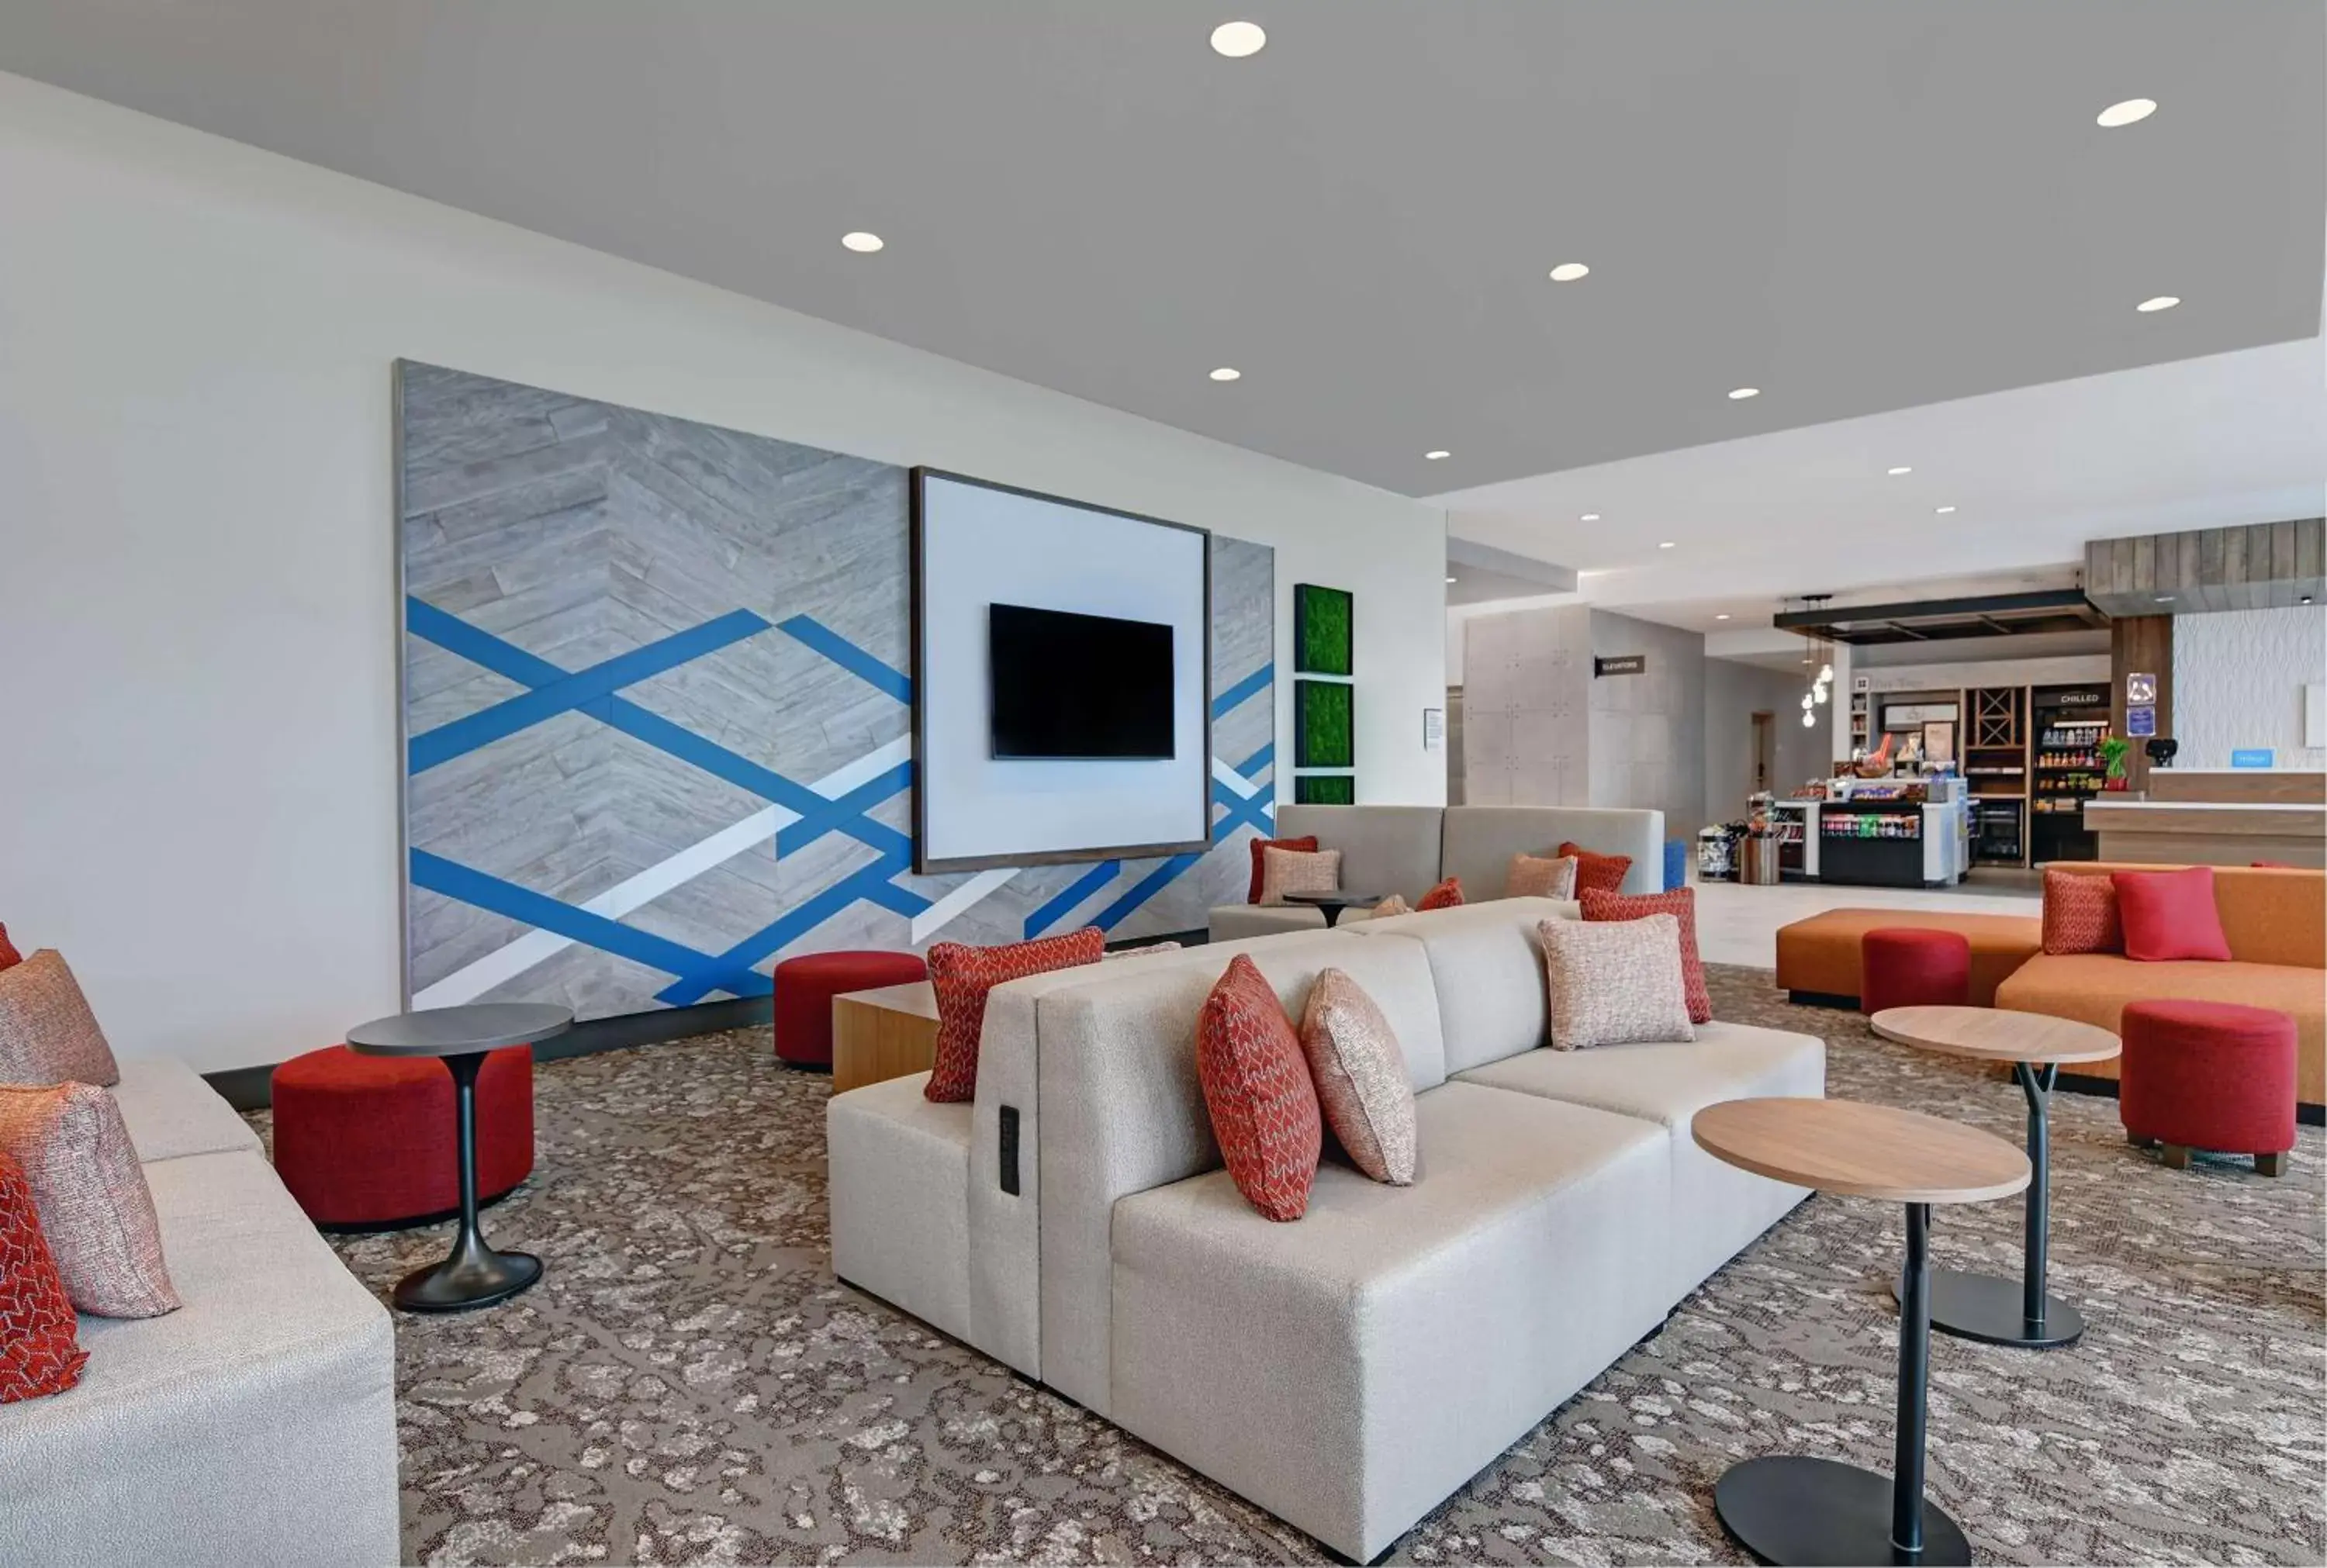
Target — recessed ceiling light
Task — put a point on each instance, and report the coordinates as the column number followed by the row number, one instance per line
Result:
column 1435, row 456
column 1895, row 472
column 1665, row 544
column 1943, row 511
column 2161, row 303
column 1237, row 39
column 1592, row 516
column 1450, row 579
column 2165, row 598
column 2132, row 111
column 861, row 242
column 1722, row 616
column 1227, row 373
column 1743, row 392
column 1569, row 271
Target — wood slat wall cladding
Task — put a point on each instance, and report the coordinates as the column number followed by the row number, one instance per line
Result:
column 2256, row 566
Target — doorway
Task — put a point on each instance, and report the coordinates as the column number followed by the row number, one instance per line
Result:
column 1765, row 749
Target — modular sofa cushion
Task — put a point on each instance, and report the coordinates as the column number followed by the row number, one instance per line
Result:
column 172, row 1113
column 1349, row 1372
column 1242, row 922
column 1819, row 955
column 1385, row 849
column 1717, row 1209
column 1488, row 963
column 1121, row 1109
column 256, row 1425
column 1480, row 840
column 2094, row 987
column 899, row 1189
column 1005, row 1265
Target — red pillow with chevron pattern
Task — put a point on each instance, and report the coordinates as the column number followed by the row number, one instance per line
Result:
column 2080, row 914
column 1257, row 1085
column 8, row 954
column 1604, row 871
column 962, row 974
column 1447, row 895
column 38, row 1352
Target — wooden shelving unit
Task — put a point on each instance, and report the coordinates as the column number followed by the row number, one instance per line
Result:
column 1995, row 773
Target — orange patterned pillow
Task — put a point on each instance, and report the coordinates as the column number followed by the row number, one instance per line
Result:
column 2080, row 914
column 962, row 974
column 38, row 1354
column 1447, row 895
column 95, row 1211
column 1256, row 1086
column 1605, row 872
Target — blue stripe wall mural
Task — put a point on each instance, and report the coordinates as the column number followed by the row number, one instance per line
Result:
column 659, row 725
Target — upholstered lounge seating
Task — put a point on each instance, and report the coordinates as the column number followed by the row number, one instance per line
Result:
column 1401, row 1336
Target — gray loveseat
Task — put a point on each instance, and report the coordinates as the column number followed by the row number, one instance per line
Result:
column 1406, row 849
column 257, row 1424
column 1350, row 1370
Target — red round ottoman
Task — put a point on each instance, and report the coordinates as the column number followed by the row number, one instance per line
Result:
column 366, row 1141
column 1907, row 967
column 2208, row 1075
column 805, row 985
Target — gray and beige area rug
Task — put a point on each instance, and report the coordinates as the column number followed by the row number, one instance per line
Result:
column 688, row 1383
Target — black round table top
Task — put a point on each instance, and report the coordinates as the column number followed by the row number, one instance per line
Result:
column 1339, row 900
column 460, row 1030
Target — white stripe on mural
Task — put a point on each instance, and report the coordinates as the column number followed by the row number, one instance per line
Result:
column 1234, row 779
column 940, row 914
column 504, row 964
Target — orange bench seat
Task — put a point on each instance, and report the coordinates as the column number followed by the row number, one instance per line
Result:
column 1818, row 956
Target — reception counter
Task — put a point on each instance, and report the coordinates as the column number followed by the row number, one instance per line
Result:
column 2209, row 832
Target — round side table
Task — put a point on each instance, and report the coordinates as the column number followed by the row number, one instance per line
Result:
column 2000, row 1312
column 1803, row 1511
column 1333, row 904
column 472, row 1275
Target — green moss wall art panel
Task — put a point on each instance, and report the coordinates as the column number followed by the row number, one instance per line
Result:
column 1322, row 622
column 1324, row 790
column 1324, row 724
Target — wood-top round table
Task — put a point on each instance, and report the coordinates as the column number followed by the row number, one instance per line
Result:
column 1802, row 1511
column 472, row 1275
column 2002, row 1312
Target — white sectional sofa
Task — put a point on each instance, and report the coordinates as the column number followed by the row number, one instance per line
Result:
column 257, row 1424
column 1408, row 849
column 1350, row 1370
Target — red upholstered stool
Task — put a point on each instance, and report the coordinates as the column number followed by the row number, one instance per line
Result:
column 367, row 1140
column 1904, row 966
column 805, row 985
column 2208, row 1075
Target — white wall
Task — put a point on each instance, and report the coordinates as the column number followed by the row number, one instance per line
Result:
column 1733, row 692
column 196, row 611
column 1648, row 729
column 2238, row 682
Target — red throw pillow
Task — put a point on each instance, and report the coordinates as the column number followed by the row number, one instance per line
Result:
column 962, row 974
column 2080, row 914
column 1447, row 895
column 38, row 1352
column 1681, row 904
column 1307, row 845
column 8, row 954
column 2171, row 914
column 1256, row 1086
column 1604, row 871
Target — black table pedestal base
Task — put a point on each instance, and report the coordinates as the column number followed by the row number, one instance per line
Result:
column 1994, row 1311
column 1807, row 1512
column 467, row 1279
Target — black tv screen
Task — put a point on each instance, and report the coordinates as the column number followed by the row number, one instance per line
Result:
column 1078, row 686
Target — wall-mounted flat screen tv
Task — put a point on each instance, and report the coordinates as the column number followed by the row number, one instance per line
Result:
column 1065, row 686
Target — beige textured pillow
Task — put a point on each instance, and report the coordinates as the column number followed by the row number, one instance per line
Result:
column 1295, row 871
column 47, row 1033
column 1360, row 1076
column 95, row 1208
column 1535, row 876
column 1614, row 982
column 1145, row 950
column 1394, row 904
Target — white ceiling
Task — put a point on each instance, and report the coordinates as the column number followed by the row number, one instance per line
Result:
column 1854, row 206
column 2033, row 475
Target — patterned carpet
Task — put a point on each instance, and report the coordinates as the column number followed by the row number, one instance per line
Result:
column 688, row 1382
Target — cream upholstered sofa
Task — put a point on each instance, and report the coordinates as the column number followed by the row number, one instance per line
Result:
column 257, row 1424
column 1350, row 1370
column 1406, row 849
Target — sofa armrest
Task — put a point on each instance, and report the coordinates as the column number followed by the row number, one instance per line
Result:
column 1236, row 922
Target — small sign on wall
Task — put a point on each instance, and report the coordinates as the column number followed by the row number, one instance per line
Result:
column 2140, row 722
column 1433, row 729
column 2253, row 756
column 1622, row 664
column 2141, row 689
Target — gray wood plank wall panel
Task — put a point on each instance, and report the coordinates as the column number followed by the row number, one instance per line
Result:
column 578, row 531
